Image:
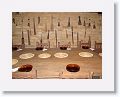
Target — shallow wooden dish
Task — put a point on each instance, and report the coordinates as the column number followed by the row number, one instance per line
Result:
column 85, row 47
column 72, row 67
column 63, row 48
column 25, row 68
column 39, row 48
column 14, row 48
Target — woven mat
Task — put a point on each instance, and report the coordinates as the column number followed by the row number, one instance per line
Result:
column 44, row 55
column 26, row 56
column 61, row 55
column 14, row 61
column 85, row 54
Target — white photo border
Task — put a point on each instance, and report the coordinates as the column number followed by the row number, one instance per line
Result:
column 104, row 84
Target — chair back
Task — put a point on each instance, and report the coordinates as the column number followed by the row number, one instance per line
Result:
column 45, row 45
column 98, row 45
column 68, row 45
column 85, row 45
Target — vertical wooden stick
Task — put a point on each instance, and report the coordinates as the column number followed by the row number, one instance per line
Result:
column 28, row 37
column 38, row 20
column 69, row 22
column 66, row 34
column 41, row 39
column 23, row 42
column 85, row 29
column 56, row 37
column 48, row 35
column 34, row 26
column 23, row 38
column 77, row 38
column 79, row 21
column 72, row 35
column 45, row 27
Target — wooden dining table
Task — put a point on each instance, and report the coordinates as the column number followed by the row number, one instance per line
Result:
column 47, row 67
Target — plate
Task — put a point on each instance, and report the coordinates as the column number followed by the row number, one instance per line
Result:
column 44, row 55
column 26, row 56
column 85, row 54
column 61, row 55
column 14, row 61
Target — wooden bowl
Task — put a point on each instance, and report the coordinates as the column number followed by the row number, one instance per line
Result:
column 39, row 48
column 25, row 68
column 14, row 48
column 85, row 47
column 63, row 48
column 72, row 67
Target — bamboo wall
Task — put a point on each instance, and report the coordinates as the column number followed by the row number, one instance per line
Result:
column 56, row 27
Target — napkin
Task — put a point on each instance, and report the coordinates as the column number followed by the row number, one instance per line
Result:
column 44, row 49
column 19, row 49
column 92, row 49
column 15, row 69
column 68, row 48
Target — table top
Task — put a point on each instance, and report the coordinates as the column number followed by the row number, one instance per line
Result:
column 87, row 64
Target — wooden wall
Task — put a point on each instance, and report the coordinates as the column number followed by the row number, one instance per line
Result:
column 46, row 26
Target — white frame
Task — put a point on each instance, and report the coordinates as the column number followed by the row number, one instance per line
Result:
column 104, row 84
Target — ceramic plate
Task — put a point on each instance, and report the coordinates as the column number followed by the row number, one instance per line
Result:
column 85, row 54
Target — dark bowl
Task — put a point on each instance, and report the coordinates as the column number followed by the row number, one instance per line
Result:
column 63, row 48
column 85, row 47
column 14, row 48
column 25, row 68
column 72, row 67
column 39, row 48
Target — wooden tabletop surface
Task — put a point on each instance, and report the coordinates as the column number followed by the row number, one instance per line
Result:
column 53, row 64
